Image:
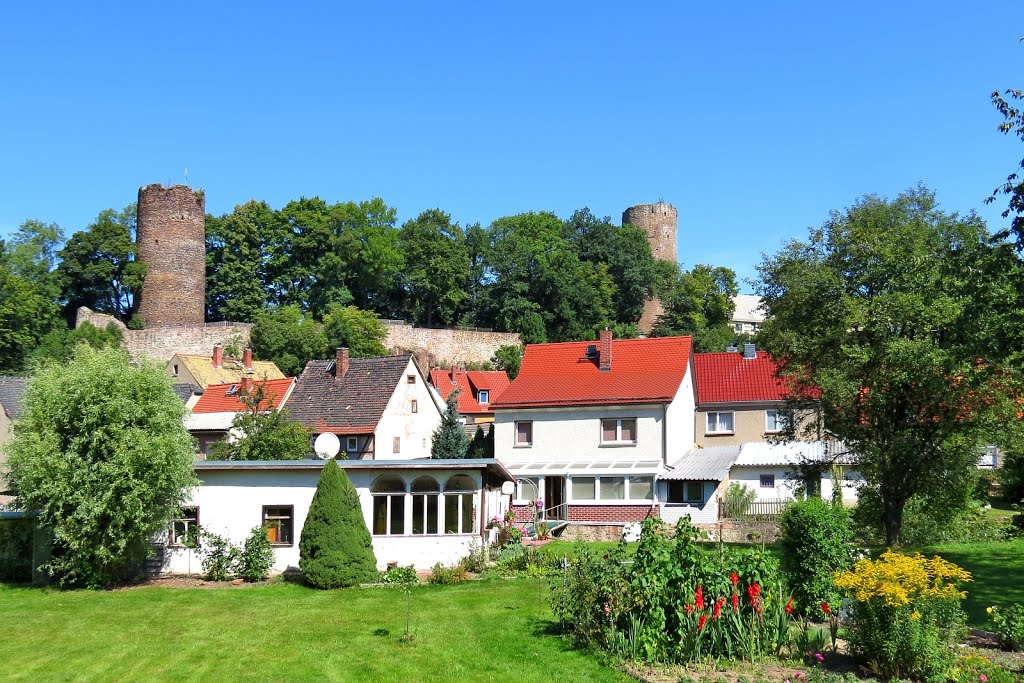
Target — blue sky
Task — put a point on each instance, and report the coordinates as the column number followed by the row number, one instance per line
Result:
column 754, row 120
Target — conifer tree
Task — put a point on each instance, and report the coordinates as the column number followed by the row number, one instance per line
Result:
column 335, row 548
column 449, row 440
column 477, row 446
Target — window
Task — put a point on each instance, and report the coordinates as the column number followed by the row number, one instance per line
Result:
column 483, row 396
column 618, row 430
column 719, row 423
column 613, row 488
column 396, row 445
column 524, row 434
column 458, row 505
column 527, row 489
column 584, row 488
column 686, row 493
column 388, row 505
column 641, row 488
column 278, row 521
column 738, row 327
column 410, row 379
column 767, row 481
column 425, row 491
column 175, row 369
column 414, row 406
column 186, row 528
column 776, row 420
column 351, row 443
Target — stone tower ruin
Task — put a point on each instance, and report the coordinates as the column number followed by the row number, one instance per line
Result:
column 660, row 223
column 171, row 235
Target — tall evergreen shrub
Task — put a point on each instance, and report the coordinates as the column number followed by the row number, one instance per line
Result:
column 335, row 548
column 815, row 545
column 449, row 440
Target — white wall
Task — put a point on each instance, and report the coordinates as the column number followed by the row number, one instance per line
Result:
column 231, row 503
column 680, row 421
column 414, row 429
column 750, row 477
column 705, row 514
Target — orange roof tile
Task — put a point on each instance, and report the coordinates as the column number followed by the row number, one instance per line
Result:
column 470, row 383
column 642, row 371
column 730, row 378
column 223, row 398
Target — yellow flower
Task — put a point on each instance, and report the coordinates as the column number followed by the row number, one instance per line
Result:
column 915, row 615
column 989, row 610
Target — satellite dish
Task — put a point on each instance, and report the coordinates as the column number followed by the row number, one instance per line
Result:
column 508, row 487
column 327, row 445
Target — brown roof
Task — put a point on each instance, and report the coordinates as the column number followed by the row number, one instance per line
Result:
column 353, row 406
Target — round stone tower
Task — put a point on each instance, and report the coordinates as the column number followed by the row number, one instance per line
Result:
column 171, row 234
column 659, row 222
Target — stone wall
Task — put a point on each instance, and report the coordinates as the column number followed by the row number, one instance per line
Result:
column 160, row 343
column 445, row 347
column 742, row 532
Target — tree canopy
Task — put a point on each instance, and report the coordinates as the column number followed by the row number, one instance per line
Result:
column 1013, row 188
column 262, row 434
column 699, row 303
column 873, row 321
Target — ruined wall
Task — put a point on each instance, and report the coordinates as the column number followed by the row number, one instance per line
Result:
column 171, row 236
column 160, row 343
column 445, row 347
column 660, row 222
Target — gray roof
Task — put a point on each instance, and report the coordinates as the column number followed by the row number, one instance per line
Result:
column 489, row 464
column 704, row 464
column 358, row 401
column 794, row 453
column 187, row 391
column 11, row 390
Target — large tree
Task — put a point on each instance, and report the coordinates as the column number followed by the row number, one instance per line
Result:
column 26, row 315
column 1013, row 123
column 437, row 267
column 699, row 303
column 32, row 253
column 239, row 246
column 361, row 332
column 873, row 321
column 288, row 337
column 102, row 456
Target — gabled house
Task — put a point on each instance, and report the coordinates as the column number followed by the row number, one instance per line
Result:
column 213, row 414
column 586, row 427
column 202, row 371
column 379, row 408
column 478, row 390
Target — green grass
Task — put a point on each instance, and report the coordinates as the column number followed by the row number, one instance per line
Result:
column 481, row 630
column 998, row 571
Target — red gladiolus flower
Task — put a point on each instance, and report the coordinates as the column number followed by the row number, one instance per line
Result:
column 717, row 612
column 789, row 606
column 735, row 579
column 735, row 602
column 825, row 608
column 688, row 608
column 703, row 620
column 754, row 593
column 698, row 597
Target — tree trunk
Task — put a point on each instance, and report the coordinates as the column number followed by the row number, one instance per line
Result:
column 893, row 521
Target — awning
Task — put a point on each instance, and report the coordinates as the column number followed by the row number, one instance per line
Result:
column 704, row 464
column 583, row 467
column 209, row 422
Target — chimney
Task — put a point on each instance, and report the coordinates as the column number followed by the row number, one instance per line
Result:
column 218, row 355
column 731, row 348
column 244, row 387
column 247, row 359
column 340, row 364
column 749, row 351
column 604, row 352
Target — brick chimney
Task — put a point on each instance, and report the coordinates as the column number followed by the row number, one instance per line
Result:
column 218, row 355
column 247, row 359
column 245, row 386
column 340, row 364
column 604, row 351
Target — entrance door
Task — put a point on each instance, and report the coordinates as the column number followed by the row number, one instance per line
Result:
column 554, row 498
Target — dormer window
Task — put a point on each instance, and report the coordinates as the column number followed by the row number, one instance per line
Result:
column 483, row 396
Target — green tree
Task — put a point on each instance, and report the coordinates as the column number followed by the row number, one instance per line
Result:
column 360, row 331
column 815, row 545
column 700, row 303
column 477, row 447
column 449, row 439
column 99, row 266
column 102, row 456
column 59, row 343
column 1013, row 123
column 508, row 358
column 26, row 314
column 335, row 549
column 32, row 254
column 874, row 322
column 437, row 267
column 239, row 245
column 288, row 337
column 263, row 434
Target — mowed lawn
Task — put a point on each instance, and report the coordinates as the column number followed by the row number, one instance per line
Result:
column 998, row 571
column 492, row 630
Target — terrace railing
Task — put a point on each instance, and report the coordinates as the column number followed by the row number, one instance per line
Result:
column 755, row 511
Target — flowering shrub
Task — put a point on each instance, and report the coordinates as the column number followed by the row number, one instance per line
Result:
column 905, row 614
column 1008, row 625
column 975, row 669
column 509, row 531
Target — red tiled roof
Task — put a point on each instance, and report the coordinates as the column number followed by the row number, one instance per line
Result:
column 469, row 383
column 731, row 378
column 221, row 398
column 642, row 371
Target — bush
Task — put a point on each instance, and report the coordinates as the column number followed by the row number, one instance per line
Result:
column 220, row 557
column 905, row 614
column 1008, row 625
column 257, row 556
column 974, row 668
column 737, row 500
column 335, row 549
column 445, row 575
column 399, row 576
column 815, row 545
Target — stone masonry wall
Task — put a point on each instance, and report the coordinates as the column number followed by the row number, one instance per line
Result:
column 160, row 343
column 445, row 347
column 660, row 223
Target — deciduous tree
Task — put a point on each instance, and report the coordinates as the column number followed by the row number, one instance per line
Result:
column 360, row 331
column 259, row 432
column 288, row 337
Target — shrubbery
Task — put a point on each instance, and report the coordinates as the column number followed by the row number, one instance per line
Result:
column 815, row 545
column 904, row 615
column 335, row 549
column 223, row 560
column 445, row 575
column 257, row 556
column 1008, row 625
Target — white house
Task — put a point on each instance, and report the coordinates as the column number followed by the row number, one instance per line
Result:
column 418, row 512
column 379, row 408
column 586, row 427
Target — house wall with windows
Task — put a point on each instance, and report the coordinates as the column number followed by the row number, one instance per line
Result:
column 411, row 416
column 438, row 524
column 682, row 500
column 749, row 423
column 776, row 483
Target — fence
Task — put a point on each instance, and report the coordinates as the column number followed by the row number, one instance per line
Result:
column 756, row 510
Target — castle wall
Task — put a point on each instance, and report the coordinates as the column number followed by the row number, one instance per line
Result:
column 446, row 346
column 160, row 343
column 171, row 233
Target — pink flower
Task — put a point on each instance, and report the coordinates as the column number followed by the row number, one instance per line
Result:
column 819, row 657
column 982, row 678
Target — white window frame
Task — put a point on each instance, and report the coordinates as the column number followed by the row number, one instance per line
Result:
column 426, row 497
column 351, row 444
column 414, row 406
column 483, row 397
column 406, row 508
column 781, row 417
column 515, row 434
column 461, row 523
column 186, row 522
column 627, row 499
column 519, row 490
column 618, row 441
column 717, row 413
column 265, row 516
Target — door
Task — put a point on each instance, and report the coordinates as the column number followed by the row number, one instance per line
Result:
column 554, row 498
